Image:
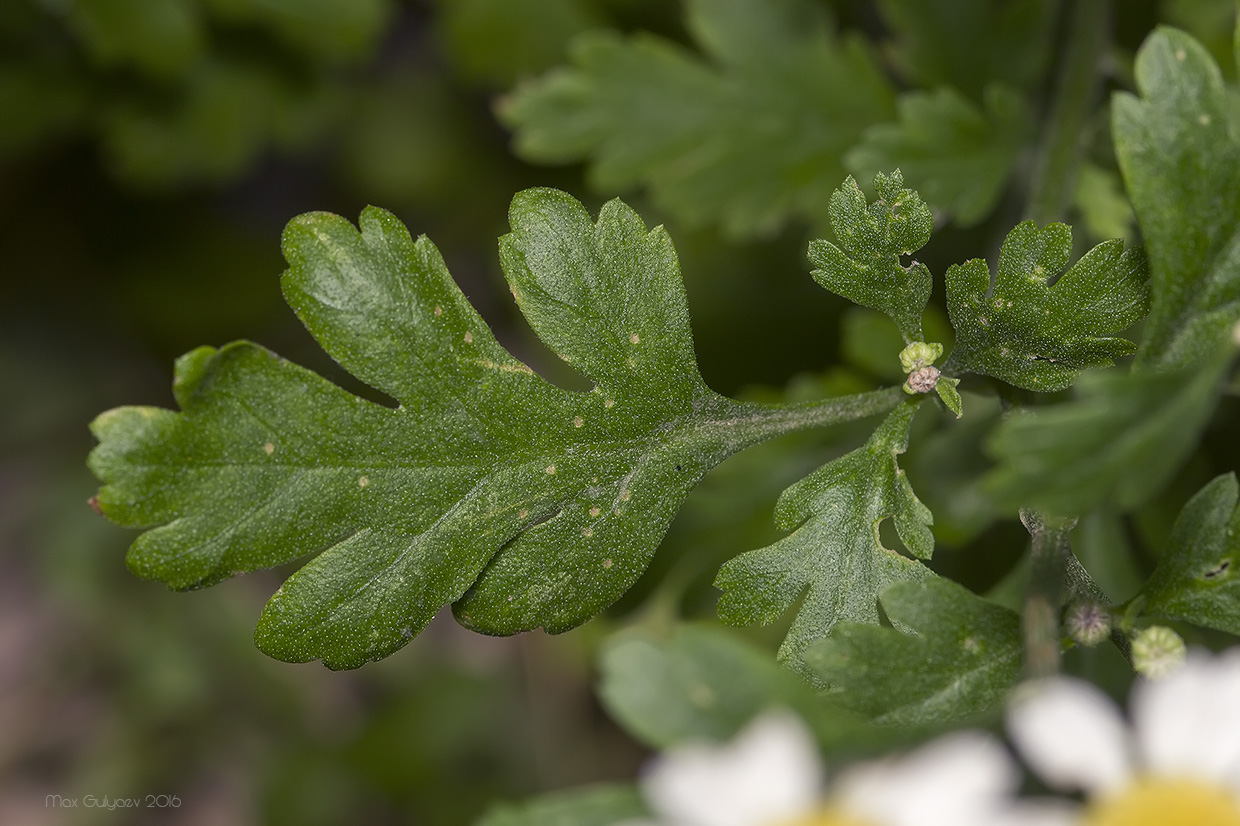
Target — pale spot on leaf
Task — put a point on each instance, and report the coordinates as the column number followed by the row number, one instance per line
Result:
column 469, row 338
column 578, row 421
column 506, row 368
column 595, row 511
column 269, row 448
column 701, row 695
column 362, row 481
column 550, row 470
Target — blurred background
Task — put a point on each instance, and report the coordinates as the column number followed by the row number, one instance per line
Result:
column 150, row 155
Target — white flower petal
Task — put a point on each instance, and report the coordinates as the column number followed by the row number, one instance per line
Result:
column 1071, row 734
column 1188, row 723
column 769, row 772
column 956, row 780
column 1039, row 813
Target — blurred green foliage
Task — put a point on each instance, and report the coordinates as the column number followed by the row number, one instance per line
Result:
column 746, row 134
column 149, row 155
column 953, row 659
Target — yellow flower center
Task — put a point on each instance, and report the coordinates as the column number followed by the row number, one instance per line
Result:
column 829, row 816
column 1166, row 803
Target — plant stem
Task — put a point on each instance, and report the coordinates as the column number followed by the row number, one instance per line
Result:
column 1054, row 177
column 1054, row 172
column 1044, row 597
column 738, row 425
column 832, row 411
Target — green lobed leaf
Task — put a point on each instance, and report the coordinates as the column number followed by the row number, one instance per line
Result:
column 834, row 560
column 1035, row 328
column 1211, row 22
column 865, row 268
column 524, row 504
column 1178, row 146
column 956, row 155
column 747, row 134
column 968, row 44
column 1179, row 150
column 957, row 660
column 1197, row 578
column 599, row 805
column 1120, row 440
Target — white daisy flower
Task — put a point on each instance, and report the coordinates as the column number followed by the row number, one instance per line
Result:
column 770, row 775
column 1176, row 764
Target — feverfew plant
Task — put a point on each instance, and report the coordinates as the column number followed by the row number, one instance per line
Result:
column 1090, row 372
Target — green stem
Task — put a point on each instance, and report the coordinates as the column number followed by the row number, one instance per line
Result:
column 1044, row 598
column 737, row 425
column 787, row 418
column 1059, row 157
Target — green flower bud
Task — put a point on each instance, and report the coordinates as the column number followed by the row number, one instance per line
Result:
column 1157, row 651
column 920, row 354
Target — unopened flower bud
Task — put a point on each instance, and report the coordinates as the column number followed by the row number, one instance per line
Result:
column 1088, row 623
column 1157, row 651
column 922, row 380
column 920, row 354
